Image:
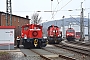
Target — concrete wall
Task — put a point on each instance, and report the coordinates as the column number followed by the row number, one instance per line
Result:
column 7, row 47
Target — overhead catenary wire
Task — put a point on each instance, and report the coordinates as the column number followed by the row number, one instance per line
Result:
column 57, row 4
column 62, row 7
column 52, row 11
column 56, row 7
column 75, row 19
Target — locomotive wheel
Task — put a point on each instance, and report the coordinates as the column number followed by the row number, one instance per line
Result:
column 34, row 33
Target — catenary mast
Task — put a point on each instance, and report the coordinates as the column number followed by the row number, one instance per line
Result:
column 8, row 13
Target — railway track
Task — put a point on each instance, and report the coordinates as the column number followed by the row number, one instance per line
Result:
column 67, row 53
column 78, row 49
column 32, row 55
column 59, row 55
column 50, row 53
column 45, row 54
column 42, row 54
column 79, row 43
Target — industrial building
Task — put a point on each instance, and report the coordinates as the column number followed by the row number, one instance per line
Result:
column 17, row 21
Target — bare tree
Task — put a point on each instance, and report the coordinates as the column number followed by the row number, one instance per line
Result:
column 35, row 19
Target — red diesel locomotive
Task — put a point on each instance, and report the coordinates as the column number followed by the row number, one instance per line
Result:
column 54, row 34
column 70, row 34
column 32, row 36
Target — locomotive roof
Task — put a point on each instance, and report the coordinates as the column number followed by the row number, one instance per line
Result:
column 15, row 15
column 52, row 26
column 31, row 25
column 70, row 29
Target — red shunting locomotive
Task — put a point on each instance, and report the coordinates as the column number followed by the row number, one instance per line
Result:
column 32, row 36
column 70, row 34
column 54, row 34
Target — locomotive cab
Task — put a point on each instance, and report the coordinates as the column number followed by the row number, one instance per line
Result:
column 70, row 34
column 54, row 34
column 32, row 36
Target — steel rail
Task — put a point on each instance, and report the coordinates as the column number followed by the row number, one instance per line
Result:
column 62, row 56
column 79, row 43
column 74, row 49
column 41, row 55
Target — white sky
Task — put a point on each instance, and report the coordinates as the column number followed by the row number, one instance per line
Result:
column 28, row 7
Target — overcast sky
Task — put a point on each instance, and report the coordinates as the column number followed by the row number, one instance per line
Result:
column 29, row 7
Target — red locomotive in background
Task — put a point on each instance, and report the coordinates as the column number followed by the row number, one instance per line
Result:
column 70, row 34
column 54, row 34
column 78, row 35
column 32, row 36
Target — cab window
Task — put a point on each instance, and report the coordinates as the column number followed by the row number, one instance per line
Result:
column 26, row 28
column 70, row 30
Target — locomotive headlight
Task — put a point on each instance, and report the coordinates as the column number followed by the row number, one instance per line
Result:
column 54, row 31
column 25, row 36
column 59, row 35
column 72, row 34
column 44, row 37
column 22, row 33
column 67, row 34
